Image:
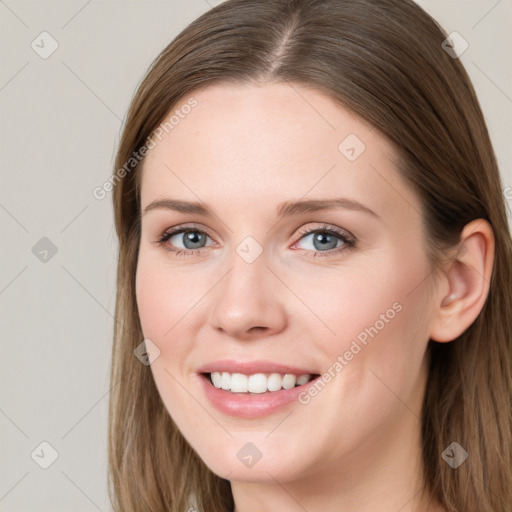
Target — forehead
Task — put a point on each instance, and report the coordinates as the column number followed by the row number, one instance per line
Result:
column 272, row 141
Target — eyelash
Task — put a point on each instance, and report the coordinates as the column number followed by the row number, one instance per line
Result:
column 348, row 240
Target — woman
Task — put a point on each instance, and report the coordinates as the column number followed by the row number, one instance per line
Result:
column 314, row 271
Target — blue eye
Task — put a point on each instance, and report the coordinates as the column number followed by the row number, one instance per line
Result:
column 324, row 241
column 191, row 239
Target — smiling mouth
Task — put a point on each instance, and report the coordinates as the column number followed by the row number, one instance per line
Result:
column 257, row 383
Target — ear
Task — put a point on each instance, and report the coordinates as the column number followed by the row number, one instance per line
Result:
column 464, row 284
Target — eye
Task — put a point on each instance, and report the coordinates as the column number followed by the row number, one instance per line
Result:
column 184, row 240
column 322, row 241
column 326, row 239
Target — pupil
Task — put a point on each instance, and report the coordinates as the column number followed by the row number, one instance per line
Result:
column 324, row 241
column 194, row 238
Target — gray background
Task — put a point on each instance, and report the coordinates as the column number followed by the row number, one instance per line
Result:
column 60, row 124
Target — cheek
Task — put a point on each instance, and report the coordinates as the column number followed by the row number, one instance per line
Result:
column 380, row 317
column 152, row 303
column 164, row 296
column 162, row 304
column 378, row 294
column 167, row 301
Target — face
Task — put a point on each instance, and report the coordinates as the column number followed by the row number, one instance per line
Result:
column 278, row 239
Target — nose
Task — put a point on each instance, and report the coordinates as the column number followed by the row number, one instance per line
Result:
column 248, row 303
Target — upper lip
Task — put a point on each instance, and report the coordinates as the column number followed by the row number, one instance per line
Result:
column 251, row 367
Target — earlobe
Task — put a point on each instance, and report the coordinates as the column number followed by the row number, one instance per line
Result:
column 467, row 277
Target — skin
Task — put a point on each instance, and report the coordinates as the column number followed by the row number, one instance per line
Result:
column 243, row 151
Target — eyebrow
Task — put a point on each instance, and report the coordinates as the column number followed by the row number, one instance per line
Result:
column 286, row 209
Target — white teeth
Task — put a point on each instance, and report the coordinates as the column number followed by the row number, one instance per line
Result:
column 226, row 381
column 274, row 382
column 289, row 381
column 239, row 383
column 257, row 382
column 217, row 379
column 303, row 379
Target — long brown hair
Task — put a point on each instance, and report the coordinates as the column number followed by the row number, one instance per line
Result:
column 384, row 61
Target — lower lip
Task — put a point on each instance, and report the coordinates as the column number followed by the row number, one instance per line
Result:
column 251, row 406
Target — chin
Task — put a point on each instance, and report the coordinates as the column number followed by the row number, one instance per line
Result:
column 242, row 461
